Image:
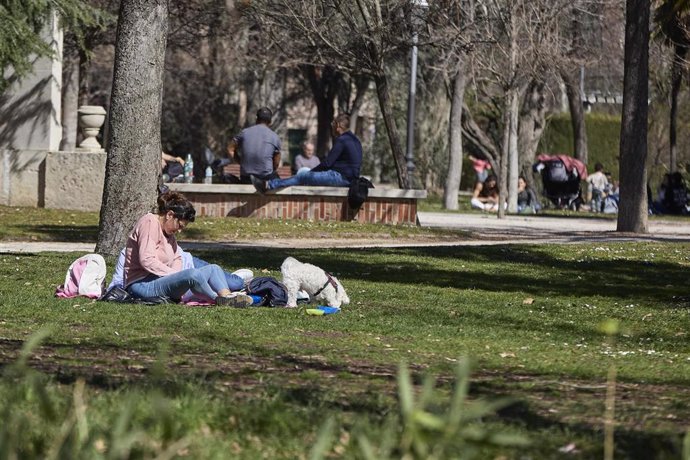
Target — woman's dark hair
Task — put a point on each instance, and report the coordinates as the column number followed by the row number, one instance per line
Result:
column 178, row 204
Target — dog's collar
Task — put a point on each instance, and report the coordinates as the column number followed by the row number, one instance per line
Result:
column 329, row 280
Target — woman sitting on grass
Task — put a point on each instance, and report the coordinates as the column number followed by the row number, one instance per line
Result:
column 153, row 265
column 485, row 195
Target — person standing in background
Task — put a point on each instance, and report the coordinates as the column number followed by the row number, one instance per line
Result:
column 481, row 168
column 340, row 167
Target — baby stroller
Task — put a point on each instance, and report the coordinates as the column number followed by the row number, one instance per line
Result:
column 561, row 176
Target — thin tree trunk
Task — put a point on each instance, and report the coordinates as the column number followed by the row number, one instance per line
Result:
column 133, row 163
column 513, row 171
column 452, row 186
column 577, row 116
column 676, row 82
column 532, row 122
column 361, row 87
column 242, row 104
column 503, row 162
column 323, row 82
column 632, row 213
column 474, row 133
column 393, row 137
column 70, row 101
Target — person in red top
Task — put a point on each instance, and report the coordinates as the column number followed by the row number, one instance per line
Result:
column 153, row 265
column 481, row 167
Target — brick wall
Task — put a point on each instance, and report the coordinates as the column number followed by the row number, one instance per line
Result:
column 311, row 207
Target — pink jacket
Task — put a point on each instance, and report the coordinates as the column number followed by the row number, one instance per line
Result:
column 149, row 251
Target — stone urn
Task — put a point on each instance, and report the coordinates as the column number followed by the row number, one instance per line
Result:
column 91, row 118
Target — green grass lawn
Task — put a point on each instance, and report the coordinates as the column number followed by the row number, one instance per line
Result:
column 262, row 383
column 38, row 224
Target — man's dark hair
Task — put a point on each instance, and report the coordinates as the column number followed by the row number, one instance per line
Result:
column 264, row 115
column 598, row 167
column 342, row 120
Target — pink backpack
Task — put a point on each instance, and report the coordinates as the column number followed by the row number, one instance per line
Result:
column 85, row 277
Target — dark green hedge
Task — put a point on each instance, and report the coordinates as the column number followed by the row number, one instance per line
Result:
column 603, row 139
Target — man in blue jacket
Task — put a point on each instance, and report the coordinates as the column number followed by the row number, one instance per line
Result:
column 338, row 169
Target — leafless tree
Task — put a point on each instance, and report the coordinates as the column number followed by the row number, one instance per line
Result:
column 672, row 18
column 454, row 31
column 516, row 60
column 357, row 38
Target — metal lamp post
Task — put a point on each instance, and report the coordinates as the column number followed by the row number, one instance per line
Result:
column 409, row 153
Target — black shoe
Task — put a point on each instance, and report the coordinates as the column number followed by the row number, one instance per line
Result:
column 259, row 185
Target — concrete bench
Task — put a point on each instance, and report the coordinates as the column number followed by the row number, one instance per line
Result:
column 384, row 205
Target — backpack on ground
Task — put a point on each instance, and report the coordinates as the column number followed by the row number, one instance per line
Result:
column 273, row 293
column 358, row 192
column 85, row 277
column 120, row 295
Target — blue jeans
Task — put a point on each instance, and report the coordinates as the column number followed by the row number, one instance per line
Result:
column 207, row 281
column 235, row 283
column 323, row 178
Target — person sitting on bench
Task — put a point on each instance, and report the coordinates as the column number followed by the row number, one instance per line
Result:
column 340, row 167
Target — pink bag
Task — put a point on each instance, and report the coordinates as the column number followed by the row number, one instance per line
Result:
column 85, row 277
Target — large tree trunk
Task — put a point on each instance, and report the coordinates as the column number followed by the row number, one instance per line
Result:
column 632, row 213
column 577, row 115
column 134, row 159
column 452, row 186
column 70, row 99
column 393, row 137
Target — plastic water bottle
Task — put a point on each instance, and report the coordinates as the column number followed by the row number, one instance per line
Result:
column 189, row 169
column 208, row 179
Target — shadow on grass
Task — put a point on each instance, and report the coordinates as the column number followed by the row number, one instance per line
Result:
column 277, row 382
column 524, row 269
column 61, row 233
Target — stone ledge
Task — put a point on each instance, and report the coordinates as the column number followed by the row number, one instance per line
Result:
column 240, row 189
column 384, row 205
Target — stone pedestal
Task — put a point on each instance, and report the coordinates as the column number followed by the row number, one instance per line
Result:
column 91, row 118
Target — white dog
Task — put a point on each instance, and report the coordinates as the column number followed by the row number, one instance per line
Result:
column 318, row 283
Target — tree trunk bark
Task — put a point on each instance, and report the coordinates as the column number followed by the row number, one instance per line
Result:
column 532, row 122
column 474, row 133
column 577, row 116
column 513, row 162
column 393, row 137
column 70, row 100
column 134, row 160
column 323, row 82
column 452, row 186
column 505, row 152
column 361, row 87
column 632, row 213
column 676, row 82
